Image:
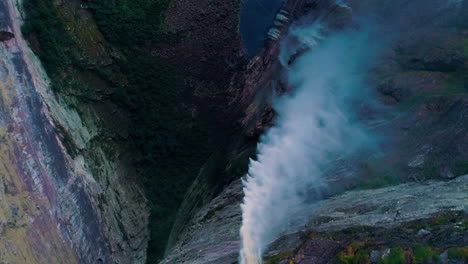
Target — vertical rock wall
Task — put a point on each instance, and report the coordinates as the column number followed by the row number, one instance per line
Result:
column 52, row 209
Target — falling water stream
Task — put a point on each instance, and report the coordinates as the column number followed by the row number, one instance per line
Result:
column 314, row 125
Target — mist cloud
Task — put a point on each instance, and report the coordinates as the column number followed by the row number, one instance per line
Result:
column 315, row 124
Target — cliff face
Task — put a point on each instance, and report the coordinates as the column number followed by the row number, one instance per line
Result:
column 420, row 86
column 128, row 93
column 128, row 98
column 146, row 89
column 381, row 219
column 55, row 207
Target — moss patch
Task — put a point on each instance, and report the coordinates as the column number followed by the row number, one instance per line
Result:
column 461, row 167
column 458, row 253
column 425, row 254
column 378, row 182
column 464, row 44
column 353, row 254
column 278, row 257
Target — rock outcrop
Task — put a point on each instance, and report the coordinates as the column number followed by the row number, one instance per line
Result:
column 420, row 86
column 213, row 234
column 69, row 195
column 53, row 206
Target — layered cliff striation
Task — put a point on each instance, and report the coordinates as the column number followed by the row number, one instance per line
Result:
column 60, row 205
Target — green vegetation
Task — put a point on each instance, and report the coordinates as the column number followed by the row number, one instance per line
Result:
column 424, row 254
column 44, row 22
column 353, row 254
column 360, row 257
column 171, row 145
column 429, row 171
column 375, row 175
column 278, row 257
column 167, row 145
column 458, row 253
column 464, row 44
column 454, row 83
column 402, row 245
column 396, row 256
column 461, row 167
column 378, row 182
column 130, row 23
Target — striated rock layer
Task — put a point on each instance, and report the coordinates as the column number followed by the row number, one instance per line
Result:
column 52, row 209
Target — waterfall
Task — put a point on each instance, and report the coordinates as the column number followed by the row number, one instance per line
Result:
column 314, row 125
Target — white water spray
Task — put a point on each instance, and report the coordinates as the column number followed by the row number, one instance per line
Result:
column 314, row 125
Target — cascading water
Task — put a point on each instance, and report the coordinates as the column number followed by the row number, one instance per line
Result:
column 315, row 124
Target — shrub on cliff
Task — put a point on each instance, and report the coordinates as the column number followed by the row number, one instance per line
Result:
column 43, row 24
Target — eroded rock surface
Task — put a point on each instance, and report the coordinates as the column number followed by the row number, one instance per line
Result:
column 422, row 116
column 213, row 236
column 52, row 208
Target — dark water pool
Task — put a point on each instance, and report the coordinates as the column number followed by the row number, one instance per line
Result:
column 257, row 16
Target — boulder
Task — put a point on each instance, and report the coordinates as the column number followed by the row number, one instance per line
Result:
column 375, row 256
column 423, row 233
column 444, row 259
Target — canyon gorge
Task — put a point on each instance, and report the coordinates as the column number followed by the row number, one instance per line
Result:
column 222, row 132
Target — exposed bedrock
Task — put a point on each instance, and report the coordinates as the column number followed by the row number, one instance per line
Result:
column 53, row 209
column 420, row 113
column 69, row 195
column 213, row 234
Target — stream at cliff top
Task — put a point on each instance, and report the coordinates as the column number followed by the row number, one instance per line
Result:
column 257, row 17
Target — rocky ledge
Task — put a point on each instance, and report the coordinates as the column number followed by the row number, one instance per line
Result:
column 53, row 209
column 213, row 236
column 420, row 85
